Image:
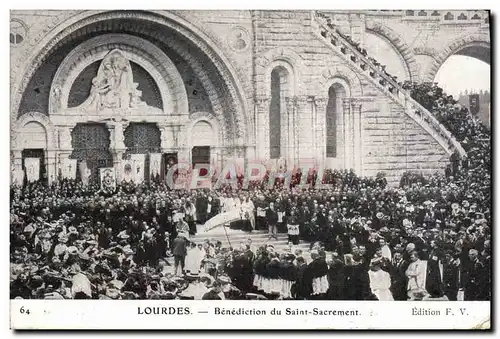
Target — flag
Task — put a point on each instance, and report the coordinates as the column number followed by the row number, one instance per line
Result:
column 32, row 167
column 85, row 172
column 68, row 170
column 138, row 167
column 474, row 105
column 126, row 170
column 108, row 179
column 154, row 165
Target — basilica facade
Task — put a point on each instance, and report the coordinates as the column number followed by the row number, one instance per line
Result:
column 281, row 87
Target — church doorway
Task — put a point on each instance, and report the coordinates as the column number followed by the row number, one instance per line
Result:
column 200, row 155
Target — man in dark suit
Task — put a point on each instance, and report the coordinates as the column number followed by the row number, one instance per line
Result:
column 398, row 277
column 299, row 290
column 272, row 220
column 434, row 281
column 474, row 281
column 179, row 250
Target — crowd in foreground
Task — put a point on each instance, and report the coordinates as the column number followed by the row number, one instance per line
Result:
column 427, row 238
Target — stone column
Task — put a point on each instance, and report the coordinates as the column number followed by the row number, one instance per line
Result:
column 358, row 25
column 51, row 168
column 262, row 131
column 17, row 164
column 65, row 149
column 290, row 156
column 305, row 128
column 117, row 144
column 357, row 147
column 184, row 151
column 320, row 127
column 167, row 136
column 346, row 107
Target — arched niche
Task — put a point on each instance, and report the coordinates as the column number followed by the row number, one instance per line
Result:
column 138, row 50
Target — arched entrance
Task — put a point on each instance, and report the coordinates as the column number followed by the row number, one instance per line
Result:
column 205, row 141
column 73, row 55
column 465, row 74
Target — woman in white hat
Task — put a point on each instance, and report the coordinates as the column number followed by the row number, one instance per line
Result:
column 380, row 280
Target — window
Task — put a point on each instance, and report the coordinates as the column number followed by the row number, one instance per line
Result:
column 17, row 32
column 275, row 113
column 333, row 109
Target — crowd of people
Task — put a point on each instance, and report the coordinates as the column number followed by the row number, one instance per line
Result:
column 427, row 238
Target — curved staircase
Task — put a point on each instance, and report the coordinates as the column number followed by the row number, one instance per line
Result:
column 353, row 57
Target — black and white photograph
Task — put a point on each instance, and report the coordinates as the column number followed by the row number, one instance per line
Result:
column 261, row 156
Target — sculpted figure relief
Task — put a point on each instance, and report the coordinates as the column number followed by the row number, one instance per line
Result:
column 114, row 86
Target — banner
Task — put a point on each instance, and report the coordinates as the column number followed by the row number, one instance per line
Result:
column 474, row 105
column 32, row 166
column 17, row 177
column 68, row 169
column 85, row 173
column 155, row 166
column 108, row 179
column 126, row 170
column 138, row 167
column 223, row 218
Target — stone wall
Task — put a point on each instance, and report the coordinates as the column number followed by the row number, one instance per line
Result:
column 253, row 43
column 393, row 143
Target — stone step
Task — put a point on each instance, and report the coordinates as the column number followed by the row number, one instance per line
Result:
column 201, row 237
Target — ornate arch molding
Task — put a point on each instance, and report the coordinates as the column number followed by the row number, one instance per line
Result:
column 40, row 118
column 456, row 45
column 168, row 19
column 140, row 51
column 399, row 44
column 424, row 50
column 196, row 117
column 350, row 80
column 288, row 59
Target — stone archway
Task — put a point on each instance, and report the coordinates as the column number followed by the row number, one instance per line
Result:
column 239, row 111
column 33, row 117
column 204, row 132
column 38, row 126
column 400, row 46
column 464, row 46
column 140, row 51
column 340, row 73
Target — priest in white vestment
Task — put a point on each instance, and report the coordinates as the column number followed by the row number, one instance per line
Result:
column 417, row 274
column 194, row 258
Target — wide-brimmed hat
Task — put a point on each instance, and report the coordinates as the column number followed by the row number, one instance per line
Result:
column 83, row 256
column 62, row 238
column 72, row 250
column 29, row 229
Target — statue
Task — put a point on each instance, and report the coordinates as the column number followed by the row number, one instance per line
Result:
column 114, row 85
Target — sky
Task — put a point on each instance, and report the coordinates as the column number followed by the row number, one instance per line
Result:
column 460, row 73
